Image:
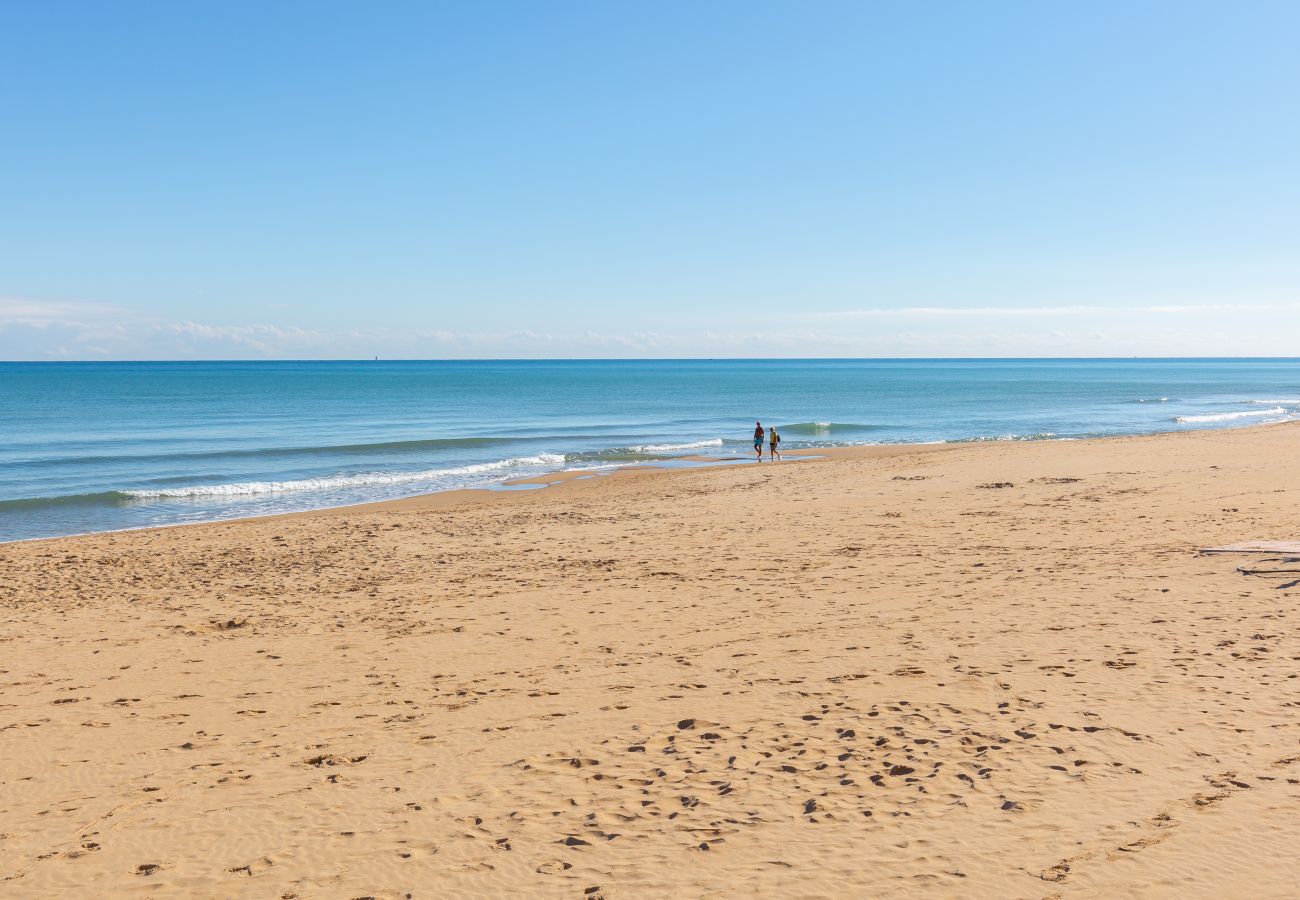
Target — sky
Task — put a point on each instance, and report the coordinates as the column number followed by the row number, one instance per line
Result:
column 217, row 180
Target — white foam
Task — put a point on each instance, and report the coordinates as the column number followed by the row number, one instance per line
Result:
column 1274, row 402
column 1036, row 436
column 335, row 482
column 668, row 448
column 1230, row 416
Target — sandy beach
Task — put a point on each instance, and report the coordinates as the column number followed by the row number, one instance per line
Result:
column 986, row 670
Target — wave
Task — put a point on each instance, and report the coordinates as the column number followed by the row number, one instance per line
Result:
column 979, row 439
column 289, row 452
column 824, row 428
column 452, row 476
column 1154, row 400
column 335, row 482
column 1289, row 401
column 641, row 452
column 361, row 449
column 669, row 448
column 97, row 498
column 1229, row 416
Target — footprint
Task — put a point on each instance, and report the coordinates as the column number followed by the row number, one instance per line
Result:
column 257, row 866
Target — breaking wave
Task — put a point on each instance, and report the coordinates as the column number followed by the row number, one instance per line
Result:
column 335, row 482
column 670, row 448
column 1036, row 436
column 821, row 429
column 1229, row 416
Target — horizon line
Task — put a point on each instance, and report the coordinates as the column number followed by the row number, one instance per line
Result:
column 636, row 359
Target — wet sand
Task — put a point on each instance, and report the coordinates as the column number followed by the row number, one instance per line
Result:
column 993, row 670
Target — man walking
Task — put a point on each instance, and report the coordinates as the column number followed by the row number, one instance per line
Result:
column 758, row 441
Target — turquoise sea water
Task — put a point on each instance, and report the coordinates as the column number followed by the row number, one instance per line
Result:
column 99, row 446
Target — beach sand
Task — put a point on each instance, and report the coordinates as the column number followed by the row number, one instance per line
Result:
column 991, row 670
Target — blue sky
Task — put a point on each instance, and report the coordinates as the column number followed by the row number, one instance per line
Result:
column 227, row 179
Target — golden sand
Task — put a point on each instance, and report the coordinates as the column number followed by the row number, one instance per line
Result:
column 993, row 671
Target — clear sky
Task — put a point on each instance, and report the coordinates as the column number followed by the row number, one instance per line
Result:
column 480, row 179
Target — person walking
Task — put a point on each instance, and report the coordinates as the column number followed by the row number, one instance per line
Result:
column 758, row 441
column 773, row 442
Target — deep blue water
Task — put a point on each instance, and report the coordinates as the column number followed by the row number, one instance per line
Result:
column 97, row 446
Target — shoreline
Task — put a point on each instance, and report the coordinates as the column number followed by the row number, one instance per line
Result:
column 551, row 481
column 548, row 480
column 561, row 478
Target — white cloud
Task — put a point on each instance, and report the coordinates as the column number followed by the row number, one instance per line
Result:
column 968, row 312
column 264, row 340
column 37, row 314
column 40, row 330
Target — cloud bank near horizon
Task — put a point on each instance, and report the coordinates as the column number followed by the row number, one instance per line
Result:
column 35, row 330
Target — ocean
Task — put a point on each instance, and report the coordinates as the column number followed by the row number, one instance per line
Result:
column 101, row 446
